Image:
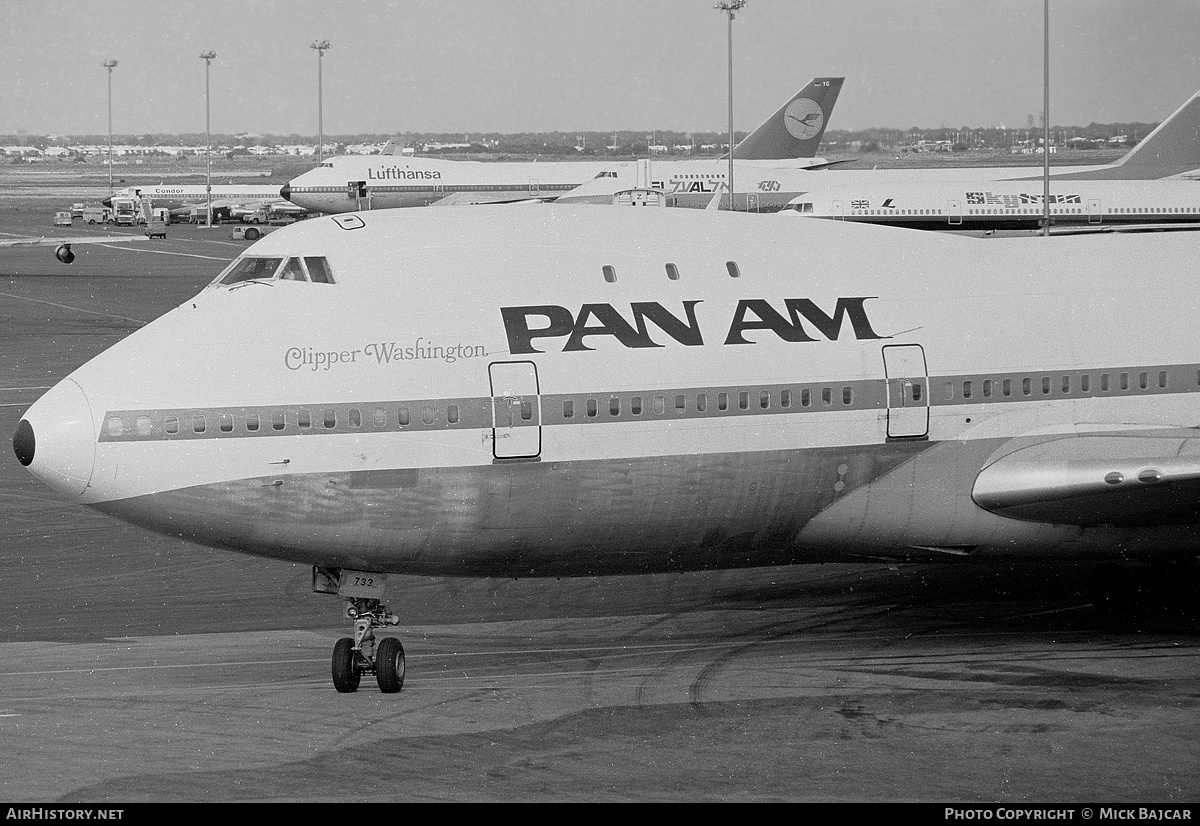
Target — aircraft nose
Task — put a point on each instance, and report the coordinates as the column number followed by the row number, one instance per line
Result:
column 285, row 192
column 107, row 202
column 56, row 441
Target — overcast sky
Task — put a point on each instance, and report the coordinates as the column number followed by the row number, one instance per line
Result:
column 567, row 65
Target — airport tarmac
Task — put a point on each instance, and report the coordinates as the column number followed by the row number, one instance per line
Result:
column 135, row 667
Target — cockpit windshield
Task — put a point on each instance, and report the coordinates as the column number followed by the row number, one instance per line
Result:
column 314, row 268
column 250, row 269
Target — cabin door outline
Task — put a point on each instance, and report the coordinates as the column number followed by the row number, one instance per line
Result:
column 1095, row 212
column 907, row 379
column 838, row 213
column 516, row 410
column 954, row 211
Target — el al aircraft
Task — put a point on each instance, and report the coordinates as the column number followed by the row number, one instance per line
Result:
column 587, row 390
column 765, row 162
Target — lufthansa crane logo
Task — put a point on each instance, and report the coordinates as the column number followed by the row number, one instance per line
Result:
column 803, row 118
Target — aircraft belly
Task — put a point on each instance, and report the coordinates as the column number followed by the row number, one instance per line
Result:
column 679, row 512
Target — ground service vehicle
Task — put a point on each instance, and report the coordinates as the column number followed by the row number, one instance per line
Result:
column 62, row 219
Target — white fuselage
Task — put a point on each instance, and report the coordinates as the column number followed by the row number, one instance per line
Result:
column 993, row 205
column 588, row 390
column 353, row 183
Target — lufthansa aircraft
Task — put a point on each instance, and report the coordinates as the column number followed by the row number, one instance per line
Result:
column 764, row 162
column 588, row 390
column 1010, row 205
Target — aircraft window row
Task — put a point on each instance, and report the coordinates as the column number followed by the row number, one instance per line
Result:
column 326, row 418
column 264, row 268
column 1066, row 385
column 680, row 403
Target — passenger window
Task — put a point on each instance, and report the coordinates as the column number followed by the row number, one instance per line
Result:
column 702, row 402
column 318, row 270
column 680, row 403
column 171, row 424
column 428, row 415
column 143, row 425
column 785, row 398
column 805, row 398
column 355, row 417
column 722, row 401
column 115, row 426
column 591, row 408
column 635, row 405
column 278, row 422
column 303, row 419
column 451, row 414
column 226, row 422
column 764, row 399
column 199, row 425
column 734, row 271
column 568, row 409
column 660, row 405
column 610, row 273
column 848, row 394
column 252, row 422
column 614, row 406
column 743, row 400
column 403, row 418
column 379, row 417
column 672, row 272
column 827, row 396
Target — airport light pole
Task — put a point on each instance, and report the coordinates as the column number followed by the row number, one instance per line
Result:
column 320, row 46
column 208, row 58
column 1046, row 120
column 731, row 7
column 110, row 65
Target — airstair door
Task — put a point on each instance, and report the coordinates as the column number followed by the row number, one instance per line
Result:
column 516, row 410
column 907, row 391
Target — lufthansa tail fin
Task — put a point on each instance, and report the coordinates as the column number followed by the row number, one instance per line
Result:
column 796, row 129
column 1171, row 149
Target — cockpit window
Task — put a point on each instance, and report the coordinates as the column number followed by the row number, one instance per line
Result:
column 250, row 269
column 313, row 268
column 318, row 270
column 292, row 270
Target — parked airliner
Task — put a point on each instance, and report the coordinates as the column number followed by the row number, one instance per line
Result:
column 1009, row 205
column 62, row 246
column 588, row 390
column 764, row 162
column 227, row 199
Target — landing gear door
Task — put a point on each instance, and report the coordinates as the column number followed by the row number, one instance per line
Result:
column 516, row 410
column 907, row 391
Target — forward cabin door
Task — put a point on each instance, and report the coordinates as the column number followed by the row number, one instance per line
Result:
column 1095, row 213
column 907, row 391
column 516, row 410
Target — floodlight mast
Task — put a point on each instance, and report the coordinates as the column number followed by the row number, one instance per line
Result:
column 208, row 58
column 320, row 46
column 731, row 7
column 110, row 65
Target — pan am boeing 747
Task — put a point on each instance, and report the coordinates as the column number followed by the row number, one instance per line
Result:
column 588, row 390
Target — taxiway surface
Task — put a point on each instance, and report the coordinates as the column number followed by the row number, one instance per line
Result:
column 135, row 667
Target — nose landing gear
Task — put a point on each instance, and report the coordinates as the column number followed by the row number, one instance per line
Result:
column 362, row 654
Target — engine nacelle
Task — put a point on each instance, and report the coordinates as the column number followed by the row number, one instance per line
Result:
column 64, row 254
